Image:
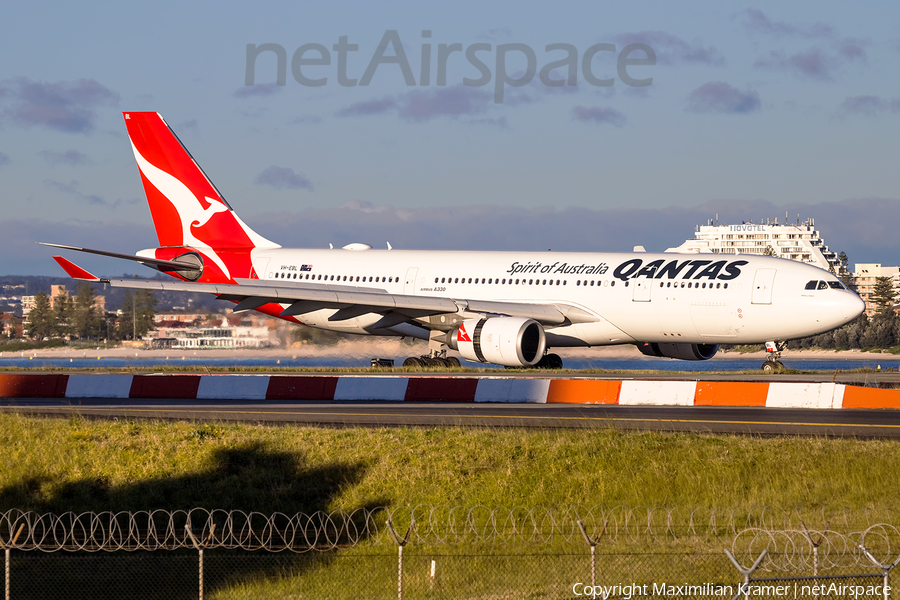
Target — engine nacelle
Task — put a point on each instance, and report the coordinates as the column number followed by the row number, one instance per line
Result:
column 192, row 258
column 507, row 341
column 182, row 254
column 680, row 351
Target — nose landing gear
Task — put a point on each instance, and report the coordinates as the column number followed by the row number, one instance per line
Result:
column 773, row 354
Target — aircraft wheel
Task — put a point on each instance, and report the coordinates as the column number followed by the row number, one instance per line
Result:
column 549, row 361
column 412, row 361
column 453, row 362
column 780, row 365
column 553, row 361
column 770, row 366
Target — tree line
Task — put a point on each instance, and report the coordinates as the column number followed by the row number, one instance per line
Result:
column 79, row 317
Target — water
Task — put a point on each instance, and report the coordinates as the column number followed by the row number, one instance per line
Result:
column 889, row 363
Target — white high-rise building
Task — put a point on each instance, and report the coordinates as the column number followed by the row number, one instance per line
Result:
column 796, row 241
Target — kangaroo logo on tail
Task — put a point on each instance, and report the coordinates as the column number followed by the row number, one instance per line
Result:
column 186, row 207
column 190, row 212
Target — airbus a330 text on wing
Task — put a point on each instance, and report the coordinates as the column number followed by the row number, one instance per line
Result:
column 506, row 308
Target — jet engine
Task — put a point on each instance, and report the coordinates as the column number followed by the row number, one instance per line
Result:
column 507, row 341
column 680, row 351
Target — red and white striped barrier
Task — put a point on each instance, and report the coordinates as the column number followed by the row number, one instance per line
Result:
column 389, row 388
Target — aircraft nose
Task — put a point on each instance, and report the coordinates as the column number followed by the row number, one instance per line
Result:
column 852, row 306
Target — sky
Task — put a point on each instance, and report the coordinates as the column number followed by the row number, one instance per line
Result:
column 586, row 126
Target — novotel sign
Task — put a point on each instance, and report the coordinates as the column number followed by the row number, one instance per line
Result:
column 746, row 228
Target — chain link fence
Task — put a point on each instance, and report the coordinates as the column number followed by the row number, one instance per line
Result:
column 448, row 552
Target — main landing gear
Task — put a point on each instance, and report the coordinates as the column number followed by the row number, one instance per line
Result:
column 773, row 353
column 549, row 361
column 433, row 359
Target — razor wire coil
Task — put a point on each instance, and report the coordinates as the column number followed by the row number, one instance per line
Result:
column 780, row 531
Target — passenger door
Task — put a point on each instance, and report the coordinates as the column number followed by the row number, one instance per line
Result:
column 762, row 286
column 409, row 285
column 641, row 289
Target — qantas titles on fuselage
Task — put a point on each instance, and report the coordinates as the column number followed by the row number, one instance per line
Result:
column 634, row 268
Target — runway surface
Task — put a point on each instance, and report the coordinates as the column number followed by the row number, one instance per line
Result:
column 755, row 421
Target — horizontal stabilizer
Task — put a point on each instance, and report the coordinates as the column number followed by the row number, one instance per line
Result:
column 74, row 271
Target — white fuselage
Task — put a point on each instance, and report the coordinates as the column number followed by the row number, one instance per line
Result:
column 632, row 297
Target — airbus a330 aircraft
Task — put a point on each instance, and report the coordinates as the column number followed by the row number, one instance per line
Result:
column 506, row 308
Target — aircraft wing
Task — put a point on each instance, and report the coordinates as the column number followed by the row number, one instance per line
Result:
column 353, row 301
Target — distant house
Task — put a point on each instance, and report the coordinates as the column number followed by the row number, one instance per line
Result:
column 209, row 338
column 159, row 319
column 10, row 325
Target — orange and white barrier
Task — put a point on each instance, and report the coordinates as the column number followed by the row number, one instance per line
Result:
column 389, row 388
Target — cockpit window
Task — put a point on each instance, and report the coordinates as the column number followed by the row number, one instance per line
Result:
column 824, row 285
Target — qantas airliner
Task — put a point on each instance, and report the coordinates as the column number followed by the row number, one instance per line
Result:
column 506, row 308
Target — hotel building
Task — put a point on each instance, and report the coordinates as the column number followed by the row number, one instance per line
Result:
column 796, row 241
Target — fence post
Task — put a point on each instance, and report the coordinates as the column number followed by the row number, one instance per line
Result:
column 199, row 546
column 592, row 542
column 400, row 543
column 815, row 546
column 6, row 550
column 745, row 587
column 885, row 570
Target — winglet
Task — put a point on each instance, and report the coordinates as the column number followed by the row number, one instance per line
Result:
column 74, row 271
